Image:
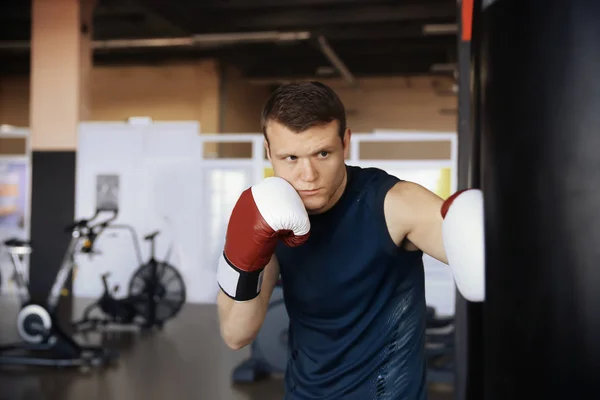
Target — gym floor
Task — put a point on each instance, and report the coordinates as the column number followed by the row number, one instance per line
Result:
column 187, row 360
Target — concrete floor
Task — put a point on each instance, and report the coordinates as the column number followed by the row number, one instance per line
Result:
column 187, row 360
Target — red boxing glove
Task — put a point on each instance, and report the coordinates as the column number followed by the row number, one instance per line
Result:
column 267, row 212
column 464, row 243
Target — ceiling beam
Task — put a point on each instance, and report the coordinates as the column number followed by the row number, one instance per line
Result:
column 232, row 5
column 138, row 19
column 336, row 61
column 387, row 64
column 216, row 21
column 391, row 46
column 359, row 68
column 352, row 61
column 370, row 31
column 269, row 53
column 201, row 41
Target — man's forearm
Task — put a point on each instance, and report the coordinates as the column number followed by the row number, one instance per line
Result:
column 240, row 320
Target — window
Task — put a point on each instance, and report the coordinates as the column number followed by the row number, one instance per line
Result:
column 225, row 187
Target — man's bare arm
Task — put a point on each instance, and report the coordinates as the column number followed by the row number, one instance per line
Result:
column 240, row 321
column 412, row 213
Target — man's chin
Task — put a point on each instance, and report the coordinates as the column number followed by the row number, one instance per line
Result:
column 314, row 207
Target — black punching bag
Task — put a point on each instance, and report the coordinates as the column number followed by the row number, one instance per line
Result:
column 540, row 130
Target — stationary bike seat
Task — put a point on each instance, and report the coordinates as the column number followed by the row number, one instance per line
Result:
column 151, row 236
column 15, row 242
column 18, row 246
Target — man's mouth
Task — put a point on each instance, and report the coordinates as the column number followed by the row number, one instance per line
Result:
column 309, row 192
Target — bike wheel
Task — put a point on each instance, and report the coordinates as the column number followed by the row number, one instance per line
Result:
column 169, row 291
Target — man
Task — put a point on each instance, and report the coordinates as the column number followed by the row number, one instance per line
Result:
column 348, row 243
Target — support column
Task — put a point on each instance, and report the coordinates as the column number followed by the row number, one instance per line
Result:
column 540, row 124
column 60, row 65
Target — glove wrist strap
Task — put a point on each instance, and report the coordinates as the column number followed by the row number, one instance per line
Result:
column 238, row 284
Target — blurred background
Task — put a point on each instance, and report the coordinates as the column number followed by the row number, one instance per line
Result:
column 392, row 62
column 156, row 104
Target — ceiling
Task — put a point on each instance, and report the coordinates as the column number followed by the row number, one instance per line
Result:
column 265, row 39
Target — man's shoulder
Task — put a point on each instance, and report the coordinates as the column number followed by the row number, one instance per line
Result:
column 368, row 170
column 373, row 176
column 405, row 193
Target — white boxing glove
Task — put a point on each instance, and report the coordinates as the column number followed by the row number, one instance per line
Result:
column 464, row 241
column 267, row 212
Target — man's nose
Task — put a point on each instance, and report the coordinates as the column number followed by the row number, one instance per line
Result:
column 309, row 172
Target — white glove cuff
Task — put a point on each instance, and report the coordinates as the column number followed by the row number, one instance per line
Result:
column 238, row 284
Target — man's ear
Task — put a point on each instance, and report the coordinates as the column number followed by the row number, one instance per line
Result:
column 266, row 143
column 346, row 142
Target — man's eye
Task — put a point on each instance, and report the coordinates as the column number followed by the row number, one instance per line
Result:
column 292, row 158
column 324, row 154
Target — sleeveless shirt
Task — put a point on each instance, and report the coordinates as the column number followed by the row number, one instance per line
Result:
column 356, row 302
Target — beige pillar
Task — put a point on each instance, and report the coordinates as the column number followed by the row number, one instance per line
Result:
column 59, row 99
column 60, row 66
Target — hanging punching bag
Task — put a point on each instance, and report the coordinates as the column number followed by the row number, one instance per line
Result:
column 540, row 125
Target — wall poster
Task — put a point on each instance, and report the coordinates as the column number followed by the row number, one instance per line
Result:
column 14, row 210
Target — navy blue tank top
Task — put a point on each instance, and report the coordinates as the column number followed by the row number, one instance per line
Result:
column 356, row 303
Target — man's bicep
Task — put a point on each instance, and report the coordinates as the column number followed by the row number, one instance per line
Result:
column 414, row 214
column 396, row 214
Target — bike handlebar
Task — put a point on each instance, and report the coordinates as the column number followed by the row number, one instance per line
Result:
column 86, row 222
column 91, row 231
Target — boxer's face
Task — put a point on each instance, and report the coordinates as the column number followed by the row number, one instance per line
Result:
column 312, row 161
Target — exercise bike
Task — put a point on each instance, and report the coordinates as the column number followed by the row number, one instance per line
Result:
column 157, row 291
column 269, row 352
column 43, row 341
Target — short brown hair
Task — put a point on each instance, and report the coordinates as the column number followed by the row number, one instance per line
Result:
column 303, row 105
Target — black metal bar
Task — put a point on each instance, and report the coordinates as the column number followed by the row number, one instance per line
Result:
column 468, row 382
